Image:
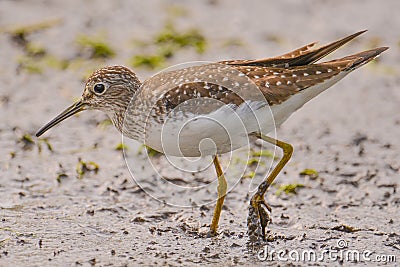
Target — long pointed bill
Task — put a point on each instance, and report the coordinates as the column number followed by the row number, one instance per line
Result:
column 73, row 109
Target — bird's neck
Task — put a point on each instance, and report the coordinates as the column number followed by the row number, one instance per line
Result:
column 118, row 110
column 117, row 120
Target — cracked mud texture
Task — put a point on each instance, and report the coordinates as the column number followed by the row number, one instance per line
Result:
column 51, row 215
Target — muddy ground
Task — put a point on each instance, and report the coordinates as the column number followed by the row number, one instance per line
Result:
column 52, row 215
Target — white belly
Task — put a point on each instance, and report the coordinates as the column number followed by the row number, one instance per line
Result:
column 222, row 131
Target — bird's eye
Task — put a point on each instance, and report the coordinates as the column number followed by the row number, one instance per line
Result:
column 99, row 88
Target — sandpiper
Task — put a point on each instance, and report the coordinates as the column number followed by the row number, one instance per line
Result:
column 284, row 84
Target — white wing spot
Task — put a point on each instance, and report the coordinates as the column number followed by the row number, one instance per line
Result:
column 305, row 74
column 294, row 75
column 267, row 84
column 289, row 82
column 256, row 76
column 278, row 83
column 283, row 76
column 317, row 72
column 329, row 70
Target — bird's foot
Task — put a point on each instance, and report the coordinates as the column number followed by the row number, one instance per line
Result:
column 211, row 233
column 258, row 218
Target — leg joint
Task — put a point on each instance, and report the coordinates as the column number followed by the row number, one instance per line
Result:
column 288, row 149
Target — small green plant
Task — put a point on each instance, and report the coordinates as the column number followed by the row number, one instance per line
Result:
column 169, row 36
column 264, row 153
column 55, row 63
column 83, row 167
column 254, row 162
column 60, row 177
column 35, row 50
column 168, row 41
column 121, row 146
column 250, row 175
column 35, row 57
column 46, row 142
column 27, row 138
column 313, row 174
column 96, row 46
column 105, row 123
column 29, row 65
column 148, row 61
column 28, row 143
column 288, row 189
column 19, row 33
column 150, row 151
column 36, row 64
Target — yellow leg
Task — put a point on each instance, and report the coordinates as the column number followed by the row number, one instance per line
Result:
column 222, row 188
column 258, row 216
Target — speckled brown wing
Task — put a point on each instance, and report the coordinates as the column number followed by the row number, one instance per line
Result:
column 200, row 91
column 276, row 84
column 272, row 62
column 302, row 56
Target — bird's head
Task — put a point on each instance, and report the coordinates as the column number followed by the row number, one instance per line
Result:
column 109, row 89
